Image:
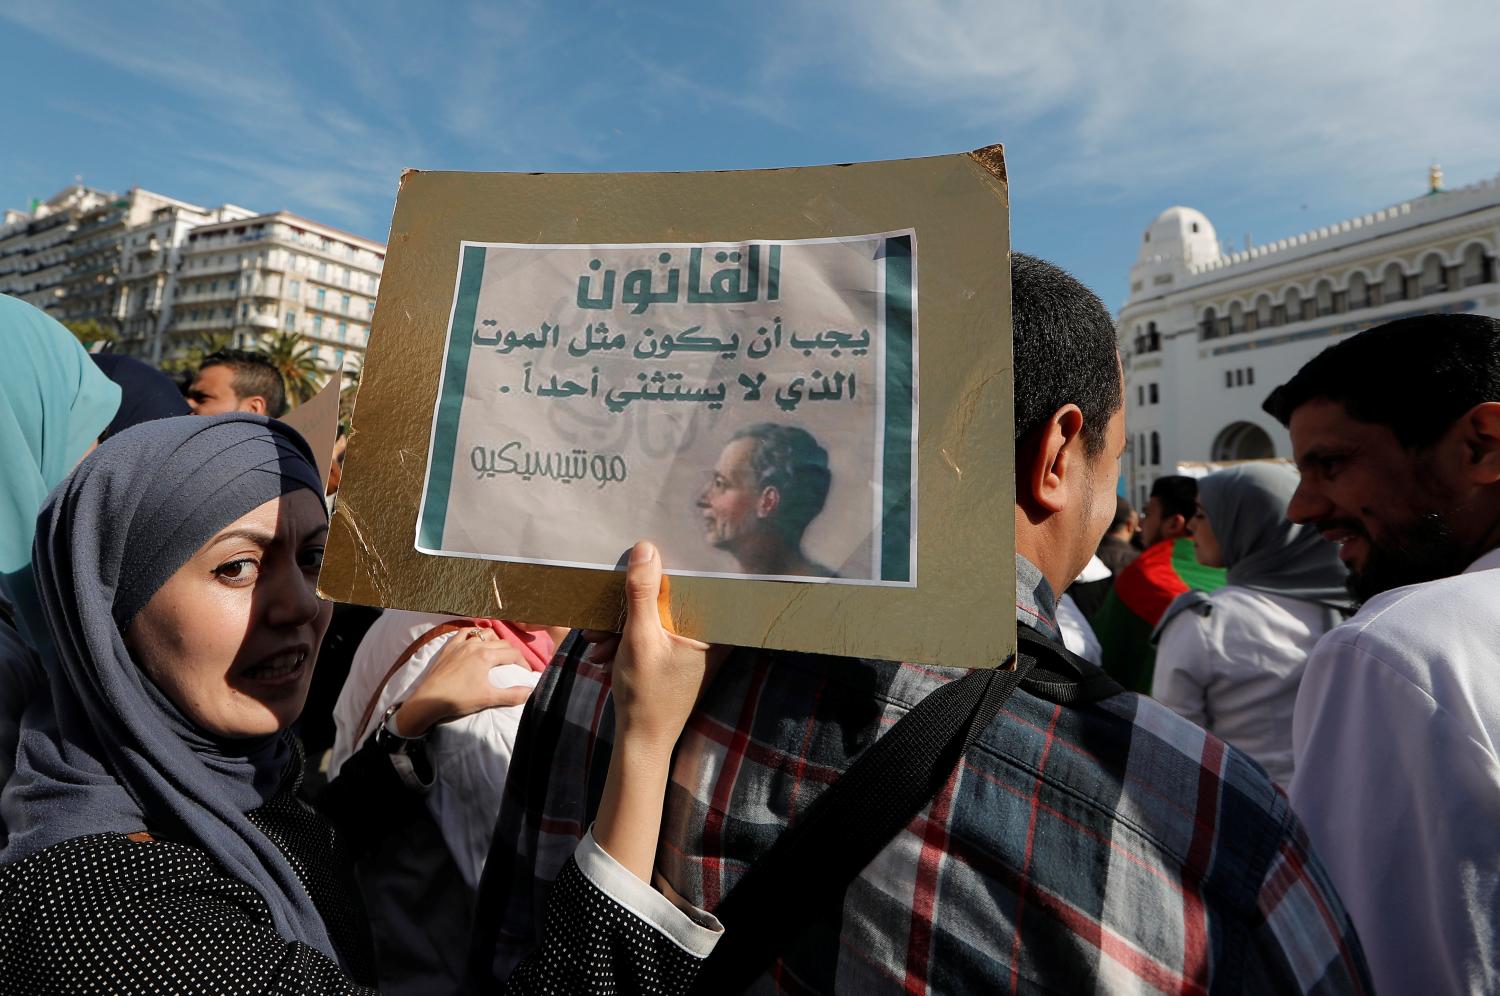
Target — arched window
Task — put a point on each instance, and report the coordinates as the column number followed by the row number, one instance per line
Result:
column 1292, row 299
column 1476, row 267
column 1153, row 338
column 1243, row 441
column 1434, row 278
column 1210, row 326
column 1262, row 315
column 1155, row 449
column 1141, row 449
column 1358, row 294
column 1393, row 283
column 1323, row 296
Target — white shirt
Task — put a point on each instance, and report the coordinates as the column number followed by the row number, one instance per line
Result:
column 1077, row 635
column 470, row 756
column 1235, row 671
column 1398, row 779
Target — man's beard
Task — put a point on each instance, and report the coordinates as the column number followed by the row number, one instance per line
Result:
column 1423, row 550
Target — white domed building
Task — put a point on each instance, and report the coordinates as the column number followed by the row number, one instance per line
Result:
column 1205, row 335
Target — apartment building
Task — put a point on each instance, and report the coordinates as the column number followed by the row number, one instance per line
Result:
column 161, row 272
column 35, row 244
column 278, row 272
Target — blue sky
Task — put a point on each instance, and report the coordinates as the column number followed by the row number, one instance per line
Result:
column 1270, row 117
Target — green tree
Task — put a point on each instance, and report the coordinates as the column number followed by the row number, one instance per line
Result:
column 301, row 370
column 91, row 330
column 189, row 359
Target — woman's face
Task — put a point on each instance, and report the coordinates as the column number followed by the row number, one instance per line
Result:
column 232, row 637
column 1208, row 552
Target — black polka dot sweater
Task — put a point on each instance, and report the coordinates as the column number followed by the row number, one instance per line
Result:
column 105, row 913
column 606, row 931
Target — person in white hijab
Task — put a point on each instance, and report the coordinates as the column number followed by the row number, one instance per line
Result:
column 1231, row 661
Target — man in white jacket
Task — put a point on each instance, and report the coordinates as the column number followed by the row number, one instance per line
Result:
column 1397, row 722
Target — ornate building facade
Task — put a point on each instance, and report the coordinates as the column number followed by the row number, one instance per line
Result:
column 1205, row 335
column 161, row 273
column 278, row 272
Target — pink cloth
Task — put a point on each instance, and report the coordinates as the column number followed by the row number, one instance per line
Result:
column 535, row 645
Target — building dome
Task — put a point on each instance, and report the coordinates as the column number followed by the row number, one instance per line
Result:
column 1179, row 239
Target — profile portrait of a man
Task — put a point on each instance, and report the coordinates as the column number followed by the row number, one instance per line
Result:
column 770, row 483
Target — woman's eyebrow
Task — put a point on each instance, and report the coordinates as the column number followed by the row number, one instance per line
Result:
column 258, row 536
column 316, row 533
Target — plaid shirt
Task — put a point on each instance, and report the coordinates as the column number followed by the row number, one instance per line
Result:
column 1112, row 847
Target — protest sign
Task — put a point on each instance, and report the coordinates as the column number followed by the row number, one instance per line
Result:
column 317, row 419
column 795, row 382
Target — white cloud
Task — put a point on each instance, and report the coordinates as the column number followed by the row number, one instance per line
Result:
column 1355, row 94
column 289, row 147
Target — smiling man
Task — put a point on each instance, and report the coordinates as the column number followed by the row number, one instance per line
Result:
column 1395, row 732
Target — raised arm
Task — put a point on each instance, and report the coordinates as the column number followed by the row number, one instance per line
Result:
column 606, row 927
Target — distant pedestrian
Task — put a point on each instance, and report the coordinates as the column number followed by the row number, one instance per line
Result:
column 237, row 380
column 1231, row 661
column 1168, row 567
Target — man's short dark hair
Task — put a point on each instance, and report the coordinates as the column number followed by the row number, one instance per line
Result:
column 254, row 376
column 790, row 460
column 1123, row 511
column 1415, row 376
column 1178, row 495
column 1065, row 350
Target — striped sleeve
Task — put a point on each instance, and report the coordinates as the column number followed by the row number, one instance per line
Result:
column 1307, row 942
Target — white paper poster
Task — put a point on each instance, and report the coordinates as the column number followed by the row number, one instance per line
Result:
column 750, row 407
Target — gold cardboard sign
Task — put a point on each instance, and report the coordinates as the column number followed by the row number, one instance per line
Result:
column 796, row 382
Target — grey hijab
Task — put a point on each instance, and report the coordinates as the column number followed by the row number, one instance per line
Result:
column 1262, row 548
column 102, row 749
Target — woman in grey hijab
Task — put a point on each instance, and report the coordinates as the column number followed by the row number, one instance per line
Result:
column 160, row 841
column 155, row 794
column 1231, row 661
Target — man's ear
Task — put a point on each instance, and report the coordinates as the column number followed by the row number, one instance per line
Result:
column 767, row 503
column 1050, row 454
column 1175, row 525
column 1481, row 440
column 255, row 404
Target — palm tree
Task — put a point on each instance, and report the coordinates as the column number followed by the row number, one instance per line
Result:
column 189, row 359
column 301, row 370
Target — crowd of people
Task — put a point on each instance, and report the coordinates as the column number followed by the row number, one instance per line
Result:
column 1248, row 742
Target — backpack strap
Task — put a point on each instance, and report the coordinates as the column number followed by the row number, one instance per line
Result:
column 816, row 859
column 1061, row 676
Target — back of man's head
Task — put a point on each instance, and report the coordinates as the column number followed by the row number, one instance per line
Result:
column 252, row 376
column 1065, row 350
column 1415, row 376
column 1067, row 400
column 1177, row 494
